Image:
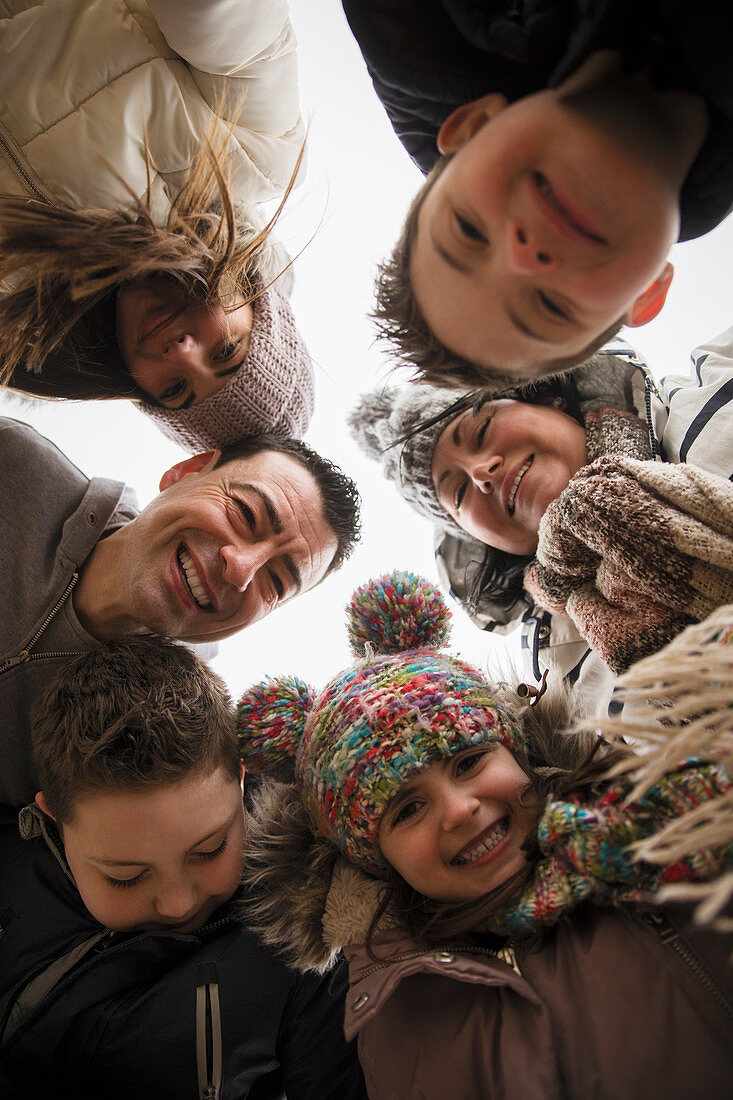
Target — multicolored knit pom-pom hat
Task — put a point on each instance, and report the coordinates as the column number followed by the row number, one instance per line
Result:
column 401, row 707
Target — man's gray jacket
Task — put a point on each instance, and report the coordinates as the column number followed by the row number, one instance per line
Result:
column 51, row 517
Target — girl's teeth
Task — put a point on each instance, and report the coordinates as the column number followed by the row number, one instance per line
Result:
column 189, row 571
column 515, row 483
column 486, row 844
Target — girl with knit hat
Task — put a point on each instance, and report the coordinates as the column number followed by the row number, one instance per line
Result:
column 133, row 259
column 494, row 881
column 543, row 497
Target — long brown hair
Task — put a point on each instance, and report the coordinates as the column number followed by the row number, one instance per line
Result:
column 557, row 761
column 64, row 267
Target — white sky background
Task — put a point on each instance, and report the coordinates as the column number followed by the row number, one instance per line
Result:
column 358, row 185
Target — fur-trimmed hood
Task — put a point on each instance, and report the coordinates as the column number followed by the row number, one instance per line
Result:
column 304, row 899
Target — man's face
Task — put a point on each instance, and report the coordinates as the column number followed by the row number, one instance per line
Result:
column 539, row 234
column 219, row 548
column 164, row 858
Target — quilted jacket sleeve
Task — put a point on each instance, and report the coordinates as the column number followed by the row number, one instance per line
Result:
column 242, row 56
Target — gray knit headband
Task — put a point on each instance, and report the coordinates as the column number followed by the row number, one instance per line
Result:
column 382, row 419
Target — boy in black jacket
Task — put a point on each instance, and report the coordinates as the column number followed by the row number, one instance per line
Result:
column 126, row 966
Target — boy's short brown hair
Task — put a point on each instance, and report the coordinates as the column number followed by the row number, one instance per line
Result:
column 132, row 713
column 401, row 325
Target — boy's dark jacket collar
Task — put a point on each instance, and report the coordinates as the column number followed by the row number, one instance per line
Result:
column 123, row 1019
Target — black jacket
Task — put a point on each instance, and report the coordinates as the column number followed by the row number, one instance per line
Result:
column 120, row 1016
column 427, row 57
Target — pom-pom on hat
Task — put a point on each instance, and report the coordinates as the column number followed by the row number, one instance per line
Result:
column 401, row 707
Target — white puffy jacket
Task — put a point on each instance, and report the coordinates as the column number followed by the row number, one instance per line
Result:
column 82, row 82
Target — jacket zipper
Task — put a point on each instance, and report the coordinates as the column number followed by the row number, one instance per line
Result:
column 208, row 1032
column 669, row 935
column 25, row 655
column 649, row 387
column 12, row 157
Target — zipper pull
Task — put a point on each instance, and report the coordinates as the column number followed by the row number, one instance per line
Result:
column 19, row 659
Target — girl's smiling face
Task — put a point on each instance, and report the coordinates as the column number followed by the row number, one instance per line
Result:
column 496, row 470
column 160, row 859
column 178, row 350
column 455, row 831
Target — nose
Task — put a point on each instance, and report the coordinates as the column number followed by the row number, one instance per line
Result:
column 184, row 350
column 528, row 251
column 485, row 472
column 241, row 562
column 459, row 806
column 177, row 899
column 179, row 345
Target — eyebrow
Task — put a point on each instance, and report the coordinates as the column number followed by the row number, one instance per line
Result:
column 520, row 325
column 457, row 442
column 144, row 863
column 270, row 509
column 230, row 370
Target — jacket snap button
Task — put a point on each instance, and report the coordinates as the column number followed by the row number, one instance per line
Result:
column 544, row 632
column 444, row 957
column 359, row 1002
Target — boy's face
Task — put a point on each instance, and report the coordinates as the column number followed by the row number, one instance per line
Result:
column 162, row 859
column 540, row 234
column 496, row 470
column 455, row 831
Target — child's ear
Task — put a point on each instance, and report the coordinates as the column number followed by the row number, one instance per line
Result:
column 41, row 802
column 649, row 303
column 196, row 464
column 466, row 120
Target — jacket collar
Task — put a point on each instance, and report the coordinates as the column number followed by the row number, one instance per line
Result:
column 32, row 822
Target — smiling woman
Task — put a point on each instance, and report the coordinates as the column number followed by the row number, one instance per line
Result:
column 498, row 466
column 505, row 477
column 147, row 272
column 180, row 351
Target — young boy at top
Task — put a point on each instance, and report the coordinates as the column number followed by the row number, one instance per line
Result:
column 566, row 151
column 125, row 967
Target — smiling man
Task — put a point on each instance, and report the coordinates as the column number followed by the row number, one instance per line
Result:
column 230, row 537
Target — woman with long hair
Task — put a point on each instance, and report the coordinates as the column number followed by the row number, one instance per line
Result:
column 134, row 261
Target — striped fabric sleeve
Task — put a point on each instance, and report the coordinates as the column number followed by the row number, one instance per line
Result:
column 698, row 428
